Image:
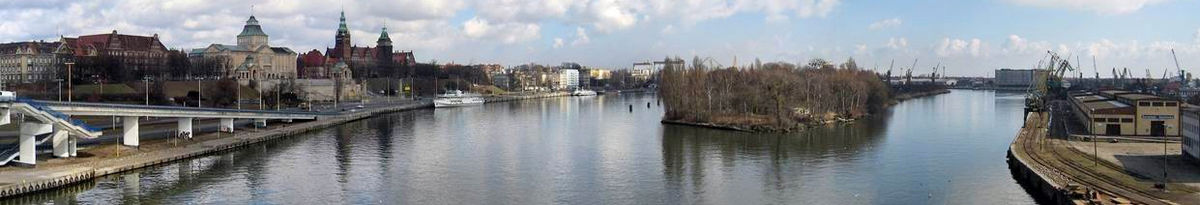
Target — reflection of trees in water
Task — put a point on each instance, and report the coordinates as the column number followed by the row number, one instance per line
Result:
column 688, row 151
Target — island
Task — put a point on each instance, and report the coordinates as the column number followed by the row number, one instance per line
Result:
column 781, row 96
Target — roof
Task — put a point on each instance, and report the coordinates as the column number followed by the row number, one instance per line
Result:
column 224, row 47
column 282, row 50
column 1114, row 92
column 1136, row 97
column 113, row 40
column 1106, row 104
column 1088, row 98
column 252, row 28
column 34, row 46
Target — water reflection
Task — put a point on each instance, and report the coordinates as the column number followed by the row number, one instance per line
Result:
column 943, row 150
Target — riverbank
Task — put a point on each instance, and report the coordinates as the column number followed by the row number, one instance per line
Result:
column 909, row 96
column 753, row 123
column 1056, row 172
column 101, row 160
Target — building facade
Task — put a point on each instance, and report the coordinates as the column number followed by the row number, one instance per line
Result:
column 26, row 62
column 133, row 56
column 379, row 61
column 252, row 58
column 1015, row 79
column 568, row 79
column 1116, row 112
column 1190, row 120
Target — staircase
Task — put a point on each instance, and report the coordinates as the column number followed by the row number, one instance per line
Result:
column 9, row 152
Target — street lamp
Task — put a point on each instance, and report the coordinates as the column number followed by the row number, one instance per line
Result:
column 59, row 81
column 69, row 77
column 146, row 83
column 1095, row 145
column 1164, row 162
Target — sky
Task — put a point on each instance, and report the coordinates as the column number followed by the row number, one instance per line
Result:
column 969, row 38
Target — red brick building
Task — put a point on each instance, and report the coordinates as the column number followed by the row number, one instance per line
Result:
column 116, row 57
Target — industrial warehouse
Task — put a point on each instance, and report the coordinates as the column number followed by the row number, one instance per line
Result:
column 1117, row 112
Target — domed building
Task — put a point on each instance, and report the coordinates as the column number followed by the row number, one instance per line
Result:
column 252, row 58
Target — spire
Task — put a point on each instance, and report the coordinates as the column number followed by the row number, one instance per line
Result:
column 383, row 35
column 342, row 23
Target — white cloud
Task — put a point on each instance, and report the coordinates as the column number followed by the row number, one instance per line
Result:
column 507, row 33
column 897, row 43
column 958, row 47
column 581, row 37
column 558, row 43
column 885, row 24
column 1098, row 6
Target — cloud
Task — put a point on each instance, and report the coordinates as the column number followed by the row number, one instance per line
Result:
column 581, row 37
column 897, row 43
column 885, row 24
column 959, row 47
column 1098, row 6
column 507, row 33
column 558, row 43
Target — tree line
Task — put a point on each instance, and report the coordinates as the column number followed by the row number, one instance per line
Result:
column 779, row 94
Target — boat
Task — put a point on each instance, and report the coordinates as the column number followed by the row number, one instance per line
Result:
column 457, row 98
column 583, row 92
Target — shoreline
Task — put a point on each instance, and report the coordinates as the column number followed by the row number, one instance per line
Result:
column 59, row 172
column 803, row 126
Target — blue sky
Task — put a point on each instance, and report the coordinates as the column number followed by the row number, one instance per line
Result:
column 968, row 37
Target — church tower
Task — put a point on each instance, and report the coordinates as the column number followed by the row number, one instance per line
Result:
column 383, row 48
column 342, row 49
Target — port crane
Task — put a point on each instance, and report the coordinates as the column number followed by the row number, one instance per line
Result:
column 1047, row 81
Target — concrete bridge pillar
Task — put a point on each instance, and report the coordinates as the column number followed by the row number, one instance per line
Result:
column 260, row 123
column 185, row 128
column 226, row 125
column 130, row 127
column 72, row 146
column 61, row 142
column 5, row 117
column 28, row 141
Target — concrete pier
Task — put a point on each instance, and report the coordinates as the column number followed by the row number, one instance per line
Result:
column 27, row 140
column 184, row 129
column 60, row 141
column 226, row 125
column 130, row 128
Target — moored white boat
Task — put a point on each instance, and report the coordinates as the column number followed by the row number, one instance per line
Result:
column 457, row 98
column 583, row 92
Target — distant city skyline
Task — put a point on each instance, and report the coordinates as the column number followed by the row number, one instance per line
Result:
column 971, row 38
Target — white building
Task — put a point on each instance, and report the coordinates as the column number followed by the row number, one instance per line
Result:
column 1190, row 122
column 568, row 79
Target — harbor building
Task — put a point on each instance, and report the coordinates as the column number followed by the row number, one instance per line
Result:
column 1190, row 122
column 1117, row 112
column 1015, row 79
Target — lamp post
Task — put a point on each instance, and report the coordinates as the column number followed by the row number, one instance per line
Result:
column 1095, row 145
column 146, row 84
column 199, row 96
column 59, row 81
column 69, row 77
column 1164, row 162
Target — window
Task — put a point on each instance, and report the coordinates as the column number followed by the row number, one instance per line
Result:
column 1172, row 104
column 1114, row 120
column 1158, row 104
column 1143, row 104
column 1126, row 120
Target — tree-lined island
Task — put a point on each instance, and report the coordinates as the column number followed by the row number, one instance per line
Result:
column 779, row 96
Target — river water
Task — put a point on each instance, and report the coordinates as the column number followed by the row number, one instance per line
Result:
column 946, row 149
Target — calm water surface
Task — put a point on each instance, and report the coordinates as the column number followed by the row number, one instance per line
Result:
column 947, row 149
